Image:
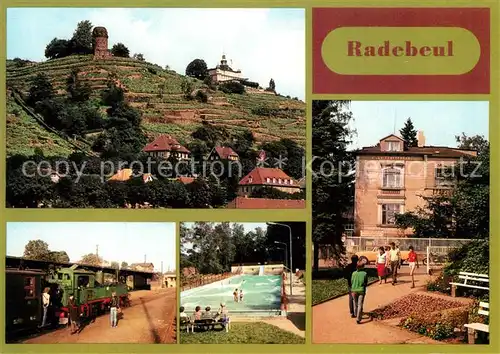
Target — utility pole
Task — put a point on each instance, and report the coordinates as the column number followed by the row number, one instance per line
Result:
column 162, row 279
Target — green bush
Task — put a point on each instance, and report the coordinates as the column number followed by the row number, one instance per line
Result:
column 250, row 84
column 232, row 87
column 201, row 96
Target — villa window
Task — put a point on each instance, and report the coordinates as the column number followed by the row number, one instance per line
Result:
column 391, row 178
column 393, row 146
column 444, row 177
column 268, row 180
column 286, row 181
column 279, row 180
column 274, row 180
column 389, row 212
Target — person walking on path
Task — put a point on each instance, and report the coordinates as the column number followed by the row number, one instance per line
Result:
column 381, row 265
column 349, row 270
column 113, row 311
column 73, row 314
column 395, row 257
column 412, row 262
column 359, row 282
column 45, row 304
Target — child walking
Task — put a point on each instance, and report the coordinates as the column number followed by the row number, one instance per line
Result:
column 359, row 282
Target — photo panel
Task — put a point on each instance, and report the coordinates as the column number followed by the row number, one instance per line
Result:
column 155, row 117
column 90, row 282
column 242, row 283
column 406, row 187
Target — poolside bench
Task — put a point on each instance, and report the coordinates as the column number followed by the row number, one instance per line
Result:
column 467, row 278
column 473, row 328
column 185, row 322
column 209, row 324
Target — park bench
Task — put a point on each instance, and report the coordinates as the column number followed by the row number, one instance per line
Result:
column 469, row 278
column 473, row 328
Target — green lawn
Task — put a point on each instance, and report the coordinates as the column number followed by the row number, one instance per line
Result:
column 244, row 333
column 324, row 289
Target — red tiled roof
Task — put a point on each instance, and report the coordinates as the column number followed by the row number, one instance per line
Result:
column 126, row 173
column 224, row 152
column 165, row 143
column 265, row 203
column 259, row 177
column 432, row 151
column 186, row 180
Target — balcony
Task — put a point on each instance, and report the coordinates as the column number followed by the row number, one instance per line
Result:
column 388, row 192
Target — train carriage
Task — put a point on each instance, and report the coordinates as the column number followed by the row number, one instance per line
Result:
column 23, row 299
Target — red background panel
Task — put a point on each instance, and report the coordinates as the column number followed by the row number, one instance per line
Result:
column 476, row 20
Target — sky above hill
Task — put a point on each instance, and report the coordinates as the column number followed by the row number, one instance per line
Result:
column 263, row 43
column 118, row 241
column 440, row 121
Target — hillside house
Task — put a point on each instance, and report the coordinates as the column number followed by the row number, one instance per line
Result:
column 165, row 146
column 265, row 203
column 125, row 174
column 391, row 178
column 223, row 72
column 222, row 153
column 267, row 177
column 142, row 267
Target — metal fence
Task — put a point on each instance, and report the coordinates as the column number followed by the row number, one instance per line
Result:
column 432, row 252
column 438, row 245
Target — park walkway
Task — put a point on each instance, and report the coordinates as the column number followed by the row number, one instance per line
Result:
column 332, row 322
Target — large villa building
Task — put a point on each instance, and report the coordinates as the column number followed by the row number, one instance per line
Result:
column 223, row 72
column 267, row 177
column 166, row 146
column 391, row 177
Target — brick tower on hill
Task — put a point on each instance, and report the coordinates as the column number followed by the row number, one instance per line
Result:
column 100, row 43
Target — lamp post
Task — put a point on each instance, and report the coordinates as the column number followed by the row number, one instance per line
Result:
column 286, row 250
column 291, row 264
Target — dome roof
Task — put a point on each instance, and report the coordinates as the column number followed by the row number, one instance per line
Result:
column 100, row 32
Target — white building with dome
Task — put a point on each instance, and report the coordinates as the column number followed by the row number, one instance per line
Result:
column 223, row 72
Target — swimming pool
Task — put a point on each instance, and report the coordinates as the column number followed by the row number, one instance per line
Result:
column 261, row 295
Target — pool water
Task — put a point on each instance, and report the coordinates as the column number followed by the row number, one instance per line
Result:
column 261, row 293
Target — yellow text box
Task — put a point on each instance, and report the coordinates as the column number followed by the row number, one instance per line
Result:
column 400, row 51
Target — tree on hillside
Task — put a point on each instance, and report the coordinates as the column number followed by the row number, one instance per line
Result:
column 120, row 50
column 79, row 91
column 463, row 213
column 37, row 250
column 40, row 89
column 124, row 265
column 333, row 193
column 91, row 259
column 272, row 85
column 197, row 69
column 139, row 56
column 287, row 155
column 409, row 134
column 57, row 48
column 115, row 265
column 82, row 38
